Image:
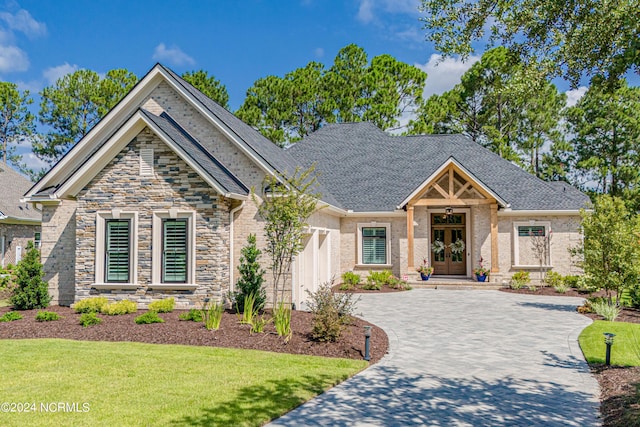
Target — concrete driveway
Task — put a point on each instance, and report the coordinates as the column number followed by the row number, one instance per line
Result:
column 466, row 358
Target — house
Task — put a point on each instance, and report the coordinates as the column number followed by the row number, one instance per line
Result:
column 156, row 200
column 19, row 221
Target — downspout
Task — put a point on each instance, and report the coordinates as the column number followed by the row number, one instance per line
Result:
column 231, row 269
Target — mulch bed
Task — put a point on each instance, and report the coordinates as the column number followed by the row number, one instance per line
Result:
column 174, row 331
column 619, row 385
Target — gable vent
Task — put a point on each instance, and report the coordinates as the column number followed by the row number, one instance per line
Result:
column 146, row 161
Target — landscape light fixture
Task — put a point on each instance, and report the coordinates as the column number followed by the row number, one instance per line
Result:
column 367, row 339
column 608, row 340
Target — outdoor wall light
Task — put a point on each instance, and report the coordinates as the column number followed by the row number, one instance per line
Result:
column 367, row 339
column 608, row 340
column 448, row 211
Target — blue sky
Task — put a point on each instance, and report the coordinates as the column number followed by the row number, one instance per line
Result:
column 236, row 41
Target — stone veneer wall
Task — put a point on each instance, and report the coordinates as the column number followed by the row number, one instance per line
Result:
column 17, row 235
column 173, row 185
column 57, row 251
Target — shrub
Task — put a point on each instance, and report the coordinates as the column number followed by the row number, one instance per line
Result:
column 397, row 283
column 520, row 279
column 163, row 306
column 90, row 305
column 605, row 309
column 376, row 279
column 212, row 314
column 192, row 315
column 553, row 279
column 10, row 316
column 30, row 291
column 331, row 312
column 149, row 317
column 282, row 320
column 561, row 287
column 251, row 281
column 89, row 319
column 571, row 281
column 349, row 280
column 47, row 316
column 121, row 307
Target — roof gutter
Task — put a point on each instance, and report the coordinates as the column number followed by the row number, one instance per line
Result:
column 565, row 212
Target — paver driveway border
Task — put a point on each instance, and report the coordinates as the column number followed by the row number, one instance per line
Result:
column 468, row 358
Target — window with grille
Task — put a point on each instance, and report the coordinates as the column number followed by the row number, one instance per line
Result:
column 174, row 250
column 118, row 251
column 374, row 245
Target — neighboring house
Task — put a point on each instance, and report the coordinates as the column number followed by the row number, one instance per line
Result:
column 155, row 201
column 19, row 221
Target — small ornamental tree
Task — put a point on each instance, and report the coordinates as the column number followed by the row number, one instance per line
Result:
column 31, row 291
column 286, row 207
column 251, row 281
column 611, row 248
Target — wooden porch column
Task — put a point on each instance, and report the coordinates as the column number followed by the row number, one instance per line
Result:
column 410, row 236
column 494, row 239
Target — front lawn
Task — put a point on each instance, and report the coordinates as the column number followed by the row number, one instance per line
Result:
column 626, row 347
column 116, row 383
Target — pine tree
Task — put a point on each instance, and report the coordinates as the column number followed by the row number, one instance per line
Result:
column 31, row 291
column 251, row 279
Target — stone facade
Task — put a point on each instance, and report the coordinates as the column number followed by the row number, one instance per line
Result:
column 15, row 236
column 173, row 185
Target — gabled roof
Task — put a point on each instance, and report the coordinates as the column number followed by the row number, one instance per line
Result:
column 368, row 170
column 12, row 187
column 262, row 151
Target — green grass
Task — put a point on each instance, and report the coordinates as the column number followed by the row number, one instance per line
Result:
column 145, row 384
column 5, row 303
column 626, row 345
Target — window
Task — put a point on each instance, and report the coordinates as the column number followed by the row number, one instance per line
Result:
column 117, row 251
column 37, row 239
column 116, row 254
column 174, row 250
column 173, row 257
column 532, row 243
column 374, row 244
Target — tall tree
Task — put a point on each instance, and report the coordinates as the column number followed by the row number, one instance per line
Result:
column 501, row 105
column 570, row 38
column 289, row 108
column 208, row 85
column 74, row 104
column 606, row 129
column 16, row 122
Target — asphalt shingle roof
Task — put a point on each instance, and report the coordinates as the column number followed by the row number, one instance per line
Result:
column 368, row 170
column 181, row 137
column 12, row 187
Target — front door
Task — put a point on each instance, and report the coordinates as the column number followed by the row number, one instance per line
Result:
column 448, row 248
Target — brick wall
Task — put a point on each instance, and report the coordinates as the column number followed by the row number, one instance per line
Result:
column 57, row 252
column 15, row 235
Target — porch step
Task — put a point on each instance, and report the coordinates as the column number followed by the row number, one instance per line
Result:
column 453, row 284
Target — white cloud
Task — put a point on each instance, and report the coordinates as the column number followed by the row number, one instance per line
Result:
column 365, row 11
column 23, row 21
column 443, row 75
column 172, row 55
column 319, row 52
column 574, row 95
column 12, row 58
column 369, row 9
column 52, row 74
